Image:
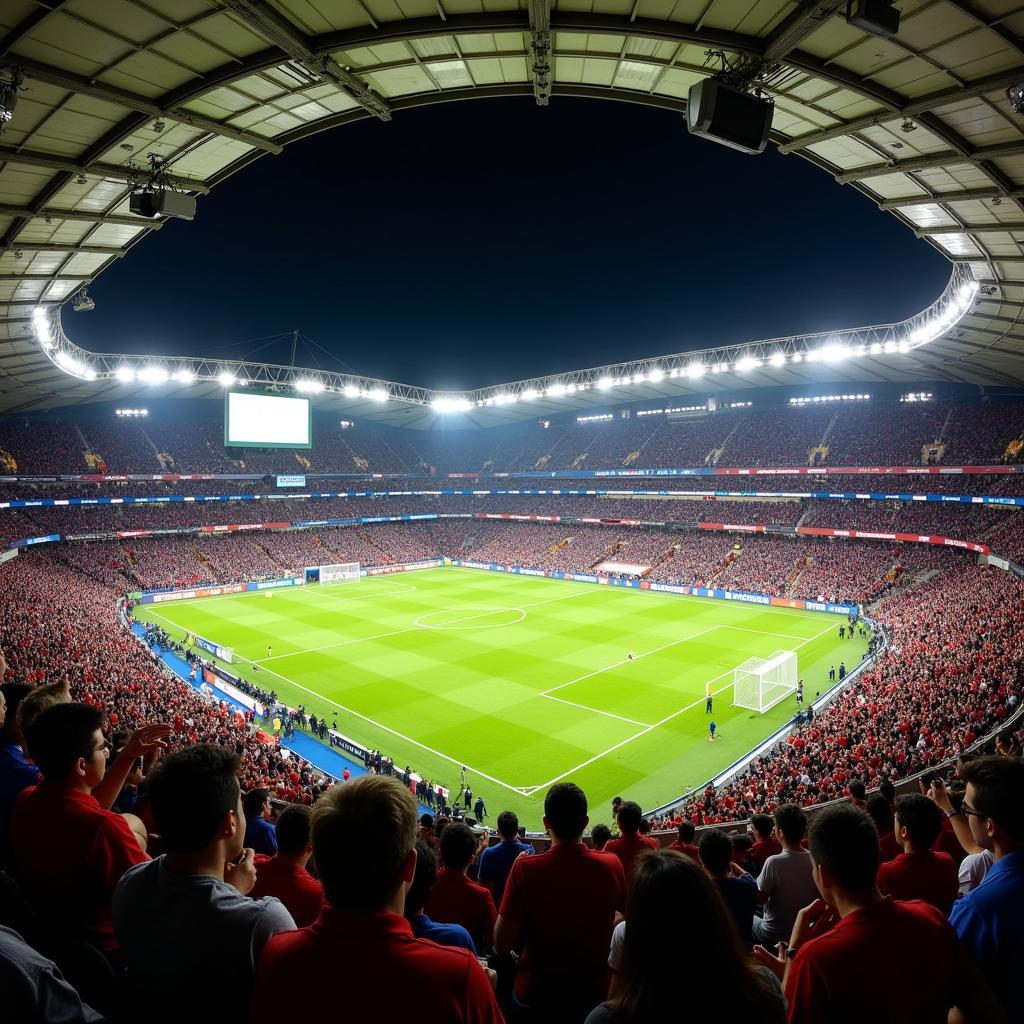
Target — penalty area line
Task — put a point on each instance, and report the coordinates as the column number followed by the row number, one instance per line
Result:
column 530, row 790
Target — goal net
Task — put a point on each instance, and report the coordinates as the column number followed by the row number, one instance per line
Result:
column 760, row 683
column 340, row 572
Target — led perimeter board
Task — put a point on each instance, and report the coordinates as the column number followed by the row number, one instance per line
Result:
column 253, row 419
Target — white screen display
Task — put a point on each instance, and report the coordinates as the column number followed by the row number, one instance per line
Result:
column 266, row 421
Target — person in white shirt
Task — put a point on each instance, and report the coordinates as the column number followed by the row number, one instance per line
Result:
column 786, row 883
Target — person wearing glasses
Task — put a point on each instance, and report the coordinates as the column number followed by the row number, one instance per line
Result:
column 990, row 918
column 71, row 852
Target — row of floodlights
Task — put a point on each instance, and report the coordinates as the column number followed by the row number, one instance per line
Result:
column 131, row 413
column 917, row 396
column 833, row 352
column 828, row 398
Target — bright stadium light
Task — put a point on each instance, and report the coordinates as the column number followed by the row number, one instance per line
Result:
column 557, row 390
column 125, row 374
column 378, row 395
column 451, row 403
column 833, row 353
column 153, row 375
column 183, row 376
column 639, row 378
column 350, row 391
column 530, row 394
column 309, row 387
column 656, row 375
column 778, row 359
column 695, row 371
column 605, row 383
column 747, row 363
column 226, row 379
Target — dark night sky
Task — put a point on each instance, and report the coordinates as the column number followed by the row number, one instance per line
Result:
column 474, row 243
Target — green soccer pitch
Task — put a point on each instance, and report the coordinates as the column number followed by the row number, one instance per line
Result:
column 525, row 680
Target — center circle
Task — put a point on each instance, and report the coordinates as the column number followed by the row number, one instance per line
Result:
column 470, row 618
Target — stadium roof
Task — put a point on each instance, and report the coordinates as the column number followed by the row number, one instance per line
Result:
column 921, row 123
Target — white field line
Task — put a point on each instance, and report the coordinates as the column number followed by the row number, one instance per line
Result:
column 530, row 790
column 393, row 732
column 414, row 628
column 593, row 711
column 316, row 592
column 627, row 661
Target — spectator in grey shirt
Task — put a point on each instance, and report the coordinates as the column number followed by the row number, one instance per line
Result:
column 786, row 883
column 190, row 934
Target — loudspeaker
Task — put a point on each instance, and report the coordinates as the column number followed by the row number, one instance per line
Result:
column 163, row 204
column 723, row 114
column 878, row 17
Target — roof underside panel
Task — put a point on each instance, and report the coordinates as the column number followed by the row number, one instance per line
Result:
column 920, row 123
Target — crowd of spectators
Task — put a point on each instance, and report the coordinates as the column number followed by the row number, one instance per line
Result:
column 866, row 434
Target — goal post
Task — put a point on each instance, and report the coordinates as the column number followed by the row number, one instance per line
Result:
column 760, row 683
column 340, row 572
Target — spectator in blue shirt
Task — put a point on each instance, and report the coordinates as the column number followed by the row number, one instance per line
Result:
column 259, row 829
column 495, row 863
column 16, row 773
column 990, row 918
column 417, row 896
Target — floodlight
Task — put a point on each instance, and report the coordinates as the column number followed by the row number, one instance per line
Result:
column 778, row 359
column 153, row 375
column 639, row 378
column 530, row 394
column 605, row 383
column 451, row 403
column 309, row 387
column 833, row 353
column 695, row 370
column 350, row 391
column 68, row 362
column 557, row 390
column 183, row 376
column 226, row 379
column 125, row 374
column 747, row 363
column 378, row 395
column 656, row 375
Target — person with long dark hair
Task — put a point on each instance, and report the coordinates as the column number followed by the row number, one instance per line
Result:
column 676, row 922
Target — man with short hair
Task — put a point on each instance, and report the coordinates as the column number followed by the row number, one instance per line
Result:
column 284, row 875
column 737, row 888
column 685, row 831
column 919, row 872
column 364, row 839
column 786, row 883
column 70, row 851
column 259, row 828
column 561, row 906
column 990, row 918
column 455, row 899
column 765, row 843
column 419, row 892
column 846, row 948
column 185, row 922
column 495, row 863
column 630, row 844
column 858, row 794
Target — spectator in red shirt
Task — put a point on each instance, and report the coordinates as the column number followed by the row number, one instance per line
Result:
column 852, row 952
column 561, row 905
column 881, row 812
column 920, row 873
column 630, row 844
column 364, row 837
column 70, row 851
column 455, row 899
column 684, row 840
column 284, row 875
column 765, row 843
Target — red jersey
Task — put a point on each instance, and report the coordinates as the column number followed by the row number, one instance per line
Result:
column 927, row 876
column 849, row 974
column 71, row 854
column 564, row 902
column 457, row 900
column 688, row 848
column 628, row 848
column 762, row 850
column 377, row 970
column 294, row 886
column 888, row 847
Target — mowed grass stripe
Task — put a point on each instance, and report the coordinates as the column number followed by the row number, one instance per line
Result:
column 438, row 698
